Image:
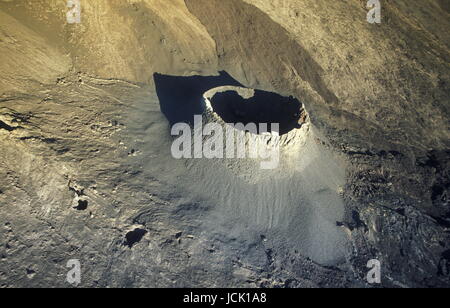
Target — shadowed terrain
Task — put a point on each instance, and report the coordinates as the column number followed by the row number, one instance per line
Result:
column 87, row 173
column 181, row 97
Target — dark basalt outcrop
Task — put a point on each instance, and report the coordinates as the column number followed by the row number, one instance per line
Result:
column 86, row 170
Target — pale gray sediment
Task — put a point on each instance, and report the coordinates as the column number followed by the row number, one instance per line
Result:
column 296, row 205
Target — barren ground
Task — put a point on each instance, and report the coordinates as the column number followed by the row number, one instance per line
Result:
column 85, row 145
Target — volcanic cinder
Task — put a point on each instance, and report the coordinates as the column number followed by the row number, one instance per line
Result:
column 87, row 173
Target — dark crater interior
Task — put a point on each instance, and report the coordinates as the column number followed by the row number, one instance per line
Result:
column 180, row 99
column 263, row 107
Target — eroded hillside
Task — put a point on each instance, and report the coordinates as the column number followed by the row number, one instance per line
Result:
column 86, row 170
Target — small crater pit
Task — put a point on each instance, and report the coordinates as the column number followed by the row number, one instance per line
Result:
column 82, row 205
column 134, row 237
column 30, row 273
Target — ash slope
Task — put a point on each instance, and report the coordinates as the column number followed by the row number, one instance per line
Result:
column 79, row 113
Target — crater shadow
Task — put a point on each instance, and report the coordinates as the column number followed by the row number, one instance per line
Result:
column 263, row 107
column 180, row 97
